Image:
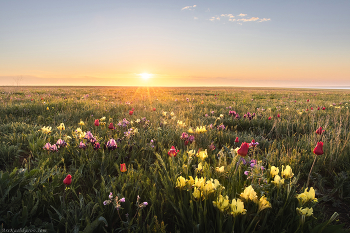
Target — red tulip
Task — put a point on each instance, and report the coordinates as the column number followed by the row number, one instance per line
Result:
column 307, row 100
column 131, row 112
column 154, row 109
column 278, row 115
column 67, row 180
column 243, row 150
column 319, row 131
column 111, row 126
column 324, row 108
column 270, row 118
column 123, row 167
column 97, row 123
column 31, row 100
column 132, row 109
column 172, row 152
column 237, row 140
column 318, row 108
column 319, row 149
column 312, row 108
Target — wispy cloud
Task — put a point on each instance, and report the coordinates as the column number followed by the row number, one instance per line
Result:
column 249, row 20
column 195, row 17
column 188, row 7
column 231, row 18
column 264, row 20
column 227, row 15
column 214, row 18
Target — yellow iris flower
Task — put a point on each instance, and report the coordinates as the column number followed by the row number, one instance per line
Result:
column 237, row 207
column 249, row 194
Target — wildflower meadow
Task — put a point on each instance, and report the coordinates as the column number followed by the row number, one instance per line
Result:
column 151, row 159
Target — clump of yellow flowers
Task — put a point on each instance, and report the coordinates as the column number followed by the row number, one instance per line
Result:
column 79, row 133
column 201, row 129
column 278, row 181
column 181, row 182
column 220, row 169
column 202, row 187
column 180, row 123
column 61, row 127
column 307, row 196
column 202, row 154
column 222, row 203
column 306, row 211
column 263, row 203
column 287, row 173
column 102, row 121
column 249, row 194
column 237, row 207
column 46, row 129
column 274, row 171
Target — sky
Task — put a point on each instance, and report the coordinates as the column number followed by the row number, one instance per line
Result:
column 177, row 43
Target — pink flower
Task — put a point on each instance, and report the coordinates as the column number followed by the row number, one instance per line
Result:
column 172, row 152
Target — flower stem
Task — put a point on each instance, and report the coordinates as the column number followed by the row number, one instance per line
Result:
column 308, row 178
column 237, row 165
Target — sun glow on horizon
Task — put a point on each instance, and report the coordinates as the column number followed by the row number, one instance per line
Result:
column 146, row 76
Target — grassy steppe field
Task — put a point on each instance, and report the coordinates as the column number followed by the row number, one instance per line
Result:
column 147, row 159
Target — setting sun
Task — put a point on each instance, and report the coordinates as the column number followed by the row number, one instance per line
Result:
column 145, row 76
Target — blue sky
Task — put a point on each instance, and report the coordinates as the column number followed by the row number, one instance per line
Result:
column 186, row 43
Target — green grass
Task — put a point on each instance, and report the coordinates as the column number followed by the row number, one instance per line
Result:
column 32, row 193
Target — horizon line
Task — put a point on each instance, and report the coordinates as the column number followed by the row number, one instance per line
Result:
column 282, row 87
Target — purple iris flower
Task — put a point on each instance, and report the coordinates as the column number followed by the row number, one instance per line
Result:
column 184, row 136
column 111, row 144
column 53, row 148
column 97, row 146
column 61, row 143
column 47, row 146
column 82, row 145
